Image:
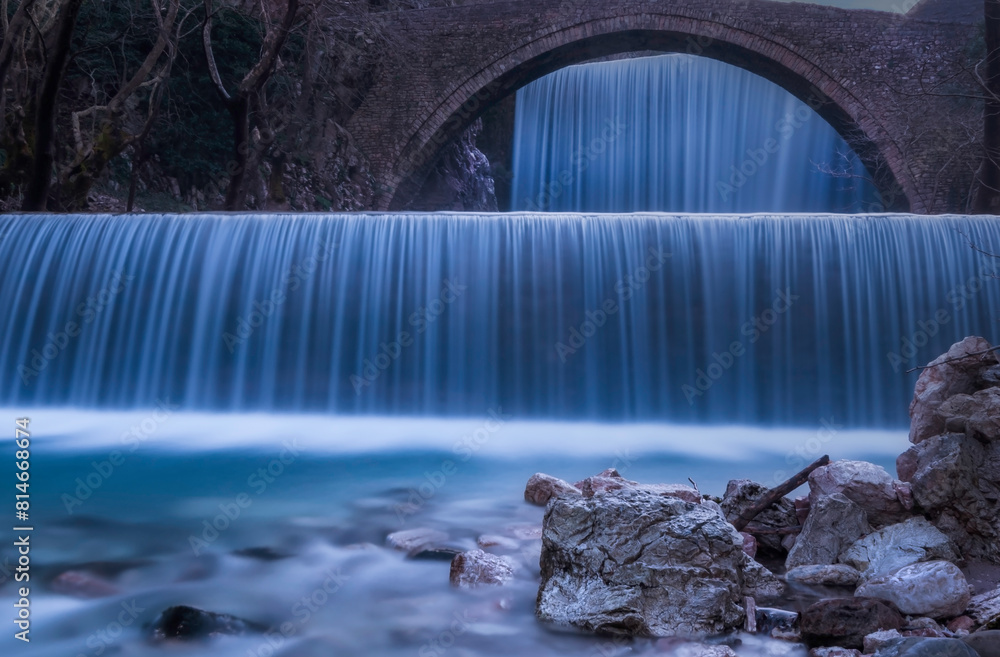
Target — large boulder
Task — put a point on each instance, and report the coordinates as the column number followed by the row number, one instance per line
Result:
column 845, row 622
column 833, row 525
column 899, row 545
column 742, row 493
column 866, row 484
column 936, row 589
column 955, row 480
column 637, row 563
column 962, row 375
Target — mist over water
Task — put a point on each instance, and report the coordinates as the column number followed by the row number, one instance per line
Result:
column 765, row 320
column 678, row 133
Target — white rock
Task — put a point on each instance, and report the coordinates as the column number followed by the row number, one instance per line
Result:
column 937, row 589
column 895, row 546
column 835, row 575
column 866, row 484
column 878, row 640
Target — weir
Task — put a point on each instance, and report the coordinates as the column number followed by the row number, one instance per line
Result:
column 755, row 319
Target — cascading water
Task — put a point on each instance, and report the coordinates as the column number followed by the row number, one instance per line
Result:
column 678, row 133
column 758, row 319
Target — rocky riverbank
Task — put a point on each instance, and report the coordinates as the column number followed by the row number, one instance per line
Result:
column 864, row 563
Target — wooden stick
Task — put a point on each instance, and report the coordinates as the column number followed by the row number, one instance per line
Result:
column 751, row 608
column 776, row 493
column 952, row 360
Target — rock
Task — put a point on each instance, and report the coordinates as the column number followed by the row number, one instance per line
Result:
column 741, row 493
column 688, row 649
column 937, row 589
column 985, row 609
column 637, row 563
column 955, row 480
column 976, row 415
column 921, row 623
column 189, row 623
column 961, row 625
column 760, row 582
column 801, row 508
column 769, row 619
column 834, row 524
column 881, row 639
column 834, row 652
column 542, row 487
column 835, row 575
column 498, row 542
column 477, row 568
column 749, row 544
column 938, row 648
column 609, row 480
column 414, row 541
column 866, row 484
column 938, row 384
column 845, row 622
column 899, row 545
column 80, row 584
column 986, row 643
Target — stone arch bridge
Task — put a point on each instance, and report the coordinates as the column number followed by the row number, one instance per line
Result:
column 897, row 86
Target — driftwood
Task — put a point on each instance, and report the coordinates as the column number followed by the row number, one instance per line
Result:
column 776, row 493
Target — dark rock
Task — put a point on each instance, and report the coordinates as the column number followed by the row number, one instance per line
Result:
column 741, row 494
column 845, row 622
column 976, row 415
column 477, row 568
column 461, row 178
column 261, row 554
column 943, row 381
column 834, row 524
column 189, row 623
column 542, row 487
column 636, row 563
column 986, row 643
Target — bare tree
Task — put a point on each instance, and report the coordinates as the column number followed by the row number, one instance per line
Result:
column 244, row 101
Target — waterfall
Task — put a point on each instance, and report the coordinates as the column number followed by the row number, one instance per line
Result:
column 779, row 320
column 678, row 133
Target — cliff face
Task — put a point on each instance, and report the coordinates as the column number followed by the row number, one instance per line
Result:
column 461, row 180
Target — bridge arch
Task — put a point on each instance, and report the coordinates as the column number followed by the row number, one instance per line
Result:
column 460, row 60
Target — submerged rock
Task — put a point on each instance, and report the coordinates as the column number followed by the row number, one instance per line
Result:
column 845, row 622
column 833, row 575
column 415, row 541
column 899, row 545
column 866, row 484
column 542, row 487
column 636, row 563
column 937, row 589
column 189, row 623
column 943, row 381
column 477, row 568
column 834, row 524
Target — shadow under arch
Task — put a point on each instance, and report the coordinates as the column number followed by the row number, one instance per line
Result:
column 803, row 79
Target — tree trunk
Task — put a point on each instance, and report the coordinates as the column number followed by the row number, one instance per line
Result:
column 988, row 194
column 239, row 108
column 36, row 196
